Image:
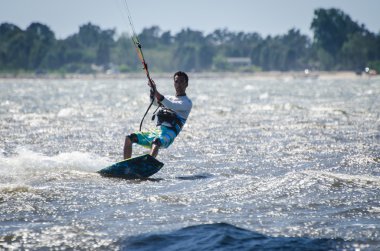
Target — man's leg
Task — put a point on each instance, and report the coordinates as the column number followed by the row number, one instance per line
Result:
column 154, row 150
column 127, row 148
column 156, row 144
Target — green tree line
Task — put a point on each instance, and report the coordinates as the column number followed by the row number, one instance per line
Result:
column 339, row 43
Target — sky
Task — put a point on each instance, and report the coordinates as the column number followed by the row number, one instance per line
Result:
column 267, row 17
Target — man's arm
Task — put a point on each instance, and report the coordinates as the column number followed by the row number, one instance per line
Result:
column 156, row 94
column 176, row 105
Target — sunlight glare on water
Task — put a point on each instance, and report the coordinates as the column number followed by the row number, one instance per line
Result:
column 282, row 157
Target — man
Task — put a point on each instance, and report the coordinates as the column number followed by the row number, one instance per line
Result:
column 171, row 116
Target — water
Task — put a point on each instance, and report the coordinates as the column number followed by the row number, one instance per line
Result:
column 263, row 163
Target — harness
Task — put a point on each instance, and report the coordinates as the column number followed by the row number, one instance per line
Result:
column 165, row 115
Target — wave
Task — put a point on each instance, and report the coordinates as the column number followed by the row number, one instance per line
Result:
column 222, row 236
column 27, row 166
column 316, row 185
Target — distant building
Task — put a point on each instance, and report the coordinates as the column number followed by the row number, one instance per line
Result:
column 239, row 61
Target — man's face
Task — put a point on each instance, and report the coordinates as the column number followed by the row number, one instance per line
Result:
column 179, row 84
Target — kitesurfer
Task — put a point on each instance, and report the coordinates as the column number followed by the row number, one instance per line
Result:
column 172, row 114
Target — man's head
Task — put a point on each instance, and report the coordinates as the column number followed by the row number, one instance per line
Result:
column 181, row 81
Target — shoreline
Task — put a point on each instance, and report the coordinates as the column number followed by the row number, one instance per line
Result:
column 264, row 75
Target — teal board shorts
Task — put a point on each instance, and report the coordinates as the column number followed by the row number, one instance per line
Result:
column 165, row 134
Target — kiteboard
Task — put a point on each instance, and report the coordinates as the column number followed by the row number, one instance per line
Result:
column 140, row 167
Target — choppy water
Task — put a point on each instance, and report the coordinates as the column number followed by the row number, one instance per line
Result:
column 261, row 164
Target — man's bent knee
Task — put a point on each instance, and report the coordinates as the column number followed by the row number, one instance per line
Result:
column 132, row 138
column 157, row 142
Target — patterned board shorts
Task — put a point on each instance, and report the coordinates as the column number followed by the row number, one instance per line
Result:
column 164, row 134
